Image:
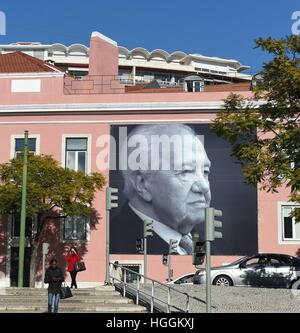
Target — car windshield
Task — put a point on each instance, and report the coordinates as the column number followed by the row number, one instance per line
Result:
column 185, row 279
column 238, row 261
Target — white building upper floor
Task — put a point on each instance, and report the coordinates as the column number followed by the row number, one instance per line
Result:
column 138, row 65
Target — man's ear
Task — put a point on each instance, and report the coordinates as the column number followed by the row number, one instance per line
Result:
column 140, row 184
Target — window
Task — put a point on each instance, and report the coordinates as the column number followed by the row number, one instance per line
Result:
column 76, row 154
column 185, row 279
column 285, row 261
column 252, row 262
column 131, row 277
column 19, row 146
column 194, row 86
column 290, row 229
column 16, row 226
column 198, row 86
column 75, row 228
column 273, row 262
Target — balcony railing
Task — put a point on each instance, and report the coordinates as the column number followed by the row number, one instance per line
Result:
column 93, row 84
column 115, row 84
column 141, row 80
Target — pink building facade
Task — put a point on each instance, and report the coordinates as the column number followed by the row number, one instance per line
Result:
column 89, row 109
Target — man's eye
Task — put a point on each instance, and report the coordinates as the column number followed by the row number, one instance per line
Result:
column 187, row 171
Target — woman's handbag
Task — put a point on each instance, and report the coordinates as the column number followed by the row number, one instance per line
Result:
column 65, row 291
column 79, row 266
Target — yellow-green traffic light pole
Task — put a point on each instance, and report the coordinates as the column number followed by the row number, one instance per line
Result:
column 111, row 197
column 23, row 214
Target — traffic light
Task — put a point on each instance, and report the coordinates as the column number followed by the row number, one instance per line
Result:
column 165, row 259
column 139, row 244
column 198, row 252
column 172, row 246
column 111, row 198
column 211, row 224
column 148, row 228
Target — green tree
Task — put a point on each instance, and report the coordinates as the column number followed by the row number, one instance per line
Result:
column 52, row 192
column 264, row 130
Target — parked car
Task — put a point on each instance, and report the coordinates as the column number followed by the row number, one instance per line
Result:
column 184, row 279
column 267, row 270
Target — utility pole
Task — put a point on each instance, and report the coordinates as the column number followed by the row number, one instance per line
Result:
column 110, row 203
column 210, row 235
column 23, row 214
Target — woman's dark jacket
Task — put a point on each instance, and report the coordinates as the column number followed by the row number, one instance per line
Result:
column 55, row 277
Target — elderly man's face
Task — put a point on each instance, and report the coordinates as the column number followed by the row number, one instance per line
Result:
column 180, row 195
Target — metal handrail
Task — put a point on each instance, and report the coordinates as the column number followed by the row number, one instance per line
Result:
column 167, row 303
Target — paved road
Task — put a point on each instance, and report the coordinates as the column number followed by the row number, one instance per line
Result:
column 234, row 299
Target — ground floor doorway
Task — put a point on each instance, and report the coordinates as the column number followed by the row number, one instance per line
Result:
column 14, row 266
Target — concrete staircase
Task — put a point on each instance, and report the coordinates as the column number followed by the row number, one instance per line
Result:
column 89, row 300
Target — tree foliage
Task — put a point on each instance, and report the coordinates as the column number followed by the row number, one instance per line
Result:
column 265, row 130
column 50, row 187
column 52, row 192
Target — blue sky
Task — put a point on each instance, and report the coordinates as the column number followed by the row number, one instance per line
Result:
column 223, row 28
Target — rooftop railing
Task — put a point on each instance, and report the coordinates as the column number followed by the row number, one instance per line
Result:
column 93, row 84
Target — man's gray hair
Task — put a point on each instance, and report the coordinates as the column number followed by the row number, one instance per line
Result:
column 147, row 131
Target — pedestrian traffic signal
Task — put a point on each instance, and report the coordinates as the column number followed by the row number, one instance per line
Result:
column 172, row 246
column 198, row 252
column 111, row 199
column 148, row 228
column 139, row 245
column 211, row 224
column 45, row 248
column 165, row 259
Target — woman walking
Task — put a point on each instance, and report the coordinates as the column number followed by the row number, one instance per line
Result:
column 72, row 258
column 54, row 276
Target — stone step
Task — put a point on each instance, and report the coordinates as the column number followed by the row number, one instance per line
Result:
column 42, row 293
column 79, row 298
column 87, row 300
column 76, row 293
column 79, row 289
column 105, row 308
column 80, row 302
column 69, row 311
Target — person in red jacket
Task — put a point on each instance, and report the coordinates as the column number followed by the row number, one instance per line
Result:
column 72, row 258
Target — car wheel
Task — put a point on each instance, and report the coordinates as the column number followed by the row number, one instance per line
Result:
column 222, row 280
column 295, row 285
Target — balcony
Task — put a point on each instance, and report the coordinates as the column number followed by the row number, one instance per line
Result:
column 110, row 84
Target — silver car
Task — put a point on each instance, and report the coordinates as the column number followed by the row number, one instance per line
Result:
column 184, row 279
column 267, row 270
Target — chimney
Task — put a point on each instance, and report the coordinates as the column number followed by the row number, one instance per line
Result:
column 104, row 55
column 104, row 65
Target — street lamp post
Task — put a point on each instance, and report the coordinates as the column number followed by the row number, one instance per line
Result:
column 23, row 214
